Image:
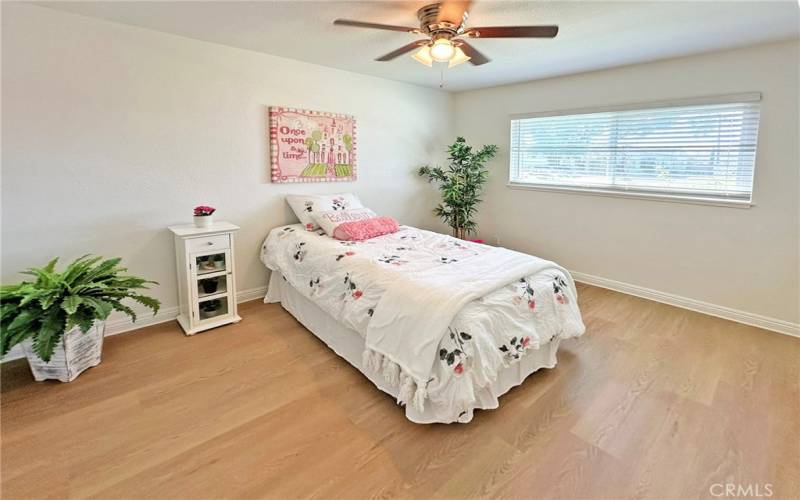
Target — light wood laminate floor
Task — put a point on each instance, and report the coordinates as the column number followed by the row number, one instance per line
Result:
column 652, row 402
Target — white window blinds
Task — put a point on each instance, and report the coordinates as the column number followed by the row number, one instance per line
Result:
column 705, row 150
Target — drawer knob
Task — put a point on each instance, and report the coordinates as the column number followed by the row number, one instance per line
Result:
column 210, row 243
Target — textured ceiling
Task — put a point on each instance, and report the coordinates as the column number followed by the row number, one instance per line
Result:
column 593, row 35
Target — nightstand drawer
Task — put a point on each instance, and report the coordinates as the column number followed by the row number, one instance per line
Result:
column 208, row 243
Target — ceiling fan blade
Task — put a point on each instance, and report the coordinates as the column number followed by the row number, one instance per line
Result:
column 376, row 26
column 452, row 11
column 402, row 50
column 513, row 32
column 476, row 58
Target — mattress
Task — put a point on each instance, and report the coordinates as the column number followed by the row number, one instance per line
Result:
column 349, row 344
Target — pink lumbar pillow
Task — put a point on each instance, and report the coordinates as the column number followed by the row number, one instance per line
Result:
column 365, row 229
column 328, row 220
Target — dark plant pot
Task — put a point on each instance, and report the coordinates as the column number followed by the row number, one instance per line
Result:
column 210, row 285
column 210, row 309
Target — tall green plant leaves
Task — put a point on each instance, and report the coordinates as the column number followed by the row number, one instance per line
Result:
column 119, row 306
column 148, row 302
column 24, row 319
column 89, row 289
column 51, row 330
column 460, row 184
column 70, row 303
column 101, row 307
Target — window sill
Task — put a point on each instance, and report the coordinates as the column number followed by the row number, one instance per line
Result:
column 671, row 198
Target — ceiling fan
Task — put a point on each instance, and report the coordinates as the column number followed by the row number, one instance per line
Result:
column 444, row 26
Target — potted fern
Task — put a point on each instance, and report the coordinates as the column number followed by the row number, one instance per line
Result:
column 461, row 185
column 60, row 317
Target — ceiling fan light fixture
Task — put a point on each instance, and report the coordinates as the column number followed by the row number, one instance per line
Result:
column 458, row 58
column 423, row 56
column 442, row 50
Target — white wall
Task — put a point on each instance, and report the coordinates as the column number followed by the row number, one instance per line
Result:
column 741, row 259
column 111, row 133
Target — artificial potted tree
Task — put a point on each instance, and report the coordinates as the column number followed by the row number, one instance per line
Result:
column 59, row 319
column 461, row 184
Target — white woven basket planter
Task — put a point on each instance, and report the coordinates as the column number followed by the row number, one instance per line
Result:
column 75, row 353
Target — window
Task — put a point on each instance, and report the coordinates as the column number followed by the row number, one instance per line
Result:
column 696, row 150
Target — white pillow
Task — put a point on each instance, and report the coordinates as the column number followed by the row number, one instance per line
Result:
column 330, row 219
column 305, row 205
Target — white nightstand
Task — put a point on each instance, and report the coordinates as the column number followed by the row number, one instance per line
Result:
column 206, row 280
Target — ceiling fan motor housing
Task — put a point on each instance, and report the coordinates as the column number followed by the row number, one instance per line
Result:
column 430, row 24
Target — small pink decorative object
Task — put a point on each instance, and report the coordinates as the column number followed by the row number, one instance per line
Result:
column 478, row 241
column 311, row 146
column 203, row 210
column 365, row 229
column 203, row 215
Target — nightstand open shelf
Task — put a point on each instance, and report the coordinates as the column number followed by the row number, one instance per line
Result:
column 206, row 280
column 203, row 296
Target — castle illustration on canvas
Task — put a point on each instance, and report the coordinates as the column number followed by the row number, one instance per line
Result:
column 311, row 146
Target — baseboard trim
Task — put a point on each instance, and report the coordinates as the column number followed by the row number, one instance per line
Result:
column 124, row 324
column 252, row 294
column 765, row 322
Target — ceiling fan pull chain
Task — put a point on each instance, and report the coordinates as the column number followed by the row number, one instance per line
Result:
column 441, row 78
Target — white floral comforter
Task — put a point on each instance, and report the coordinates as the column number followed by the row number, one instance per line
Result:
column 348, row 279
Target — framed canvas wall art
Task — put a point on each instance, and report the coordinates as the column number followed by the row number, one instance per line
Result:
column 311, row 146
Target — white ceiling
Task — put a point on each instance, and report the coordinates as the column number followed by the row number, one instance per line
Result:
column 593, row 35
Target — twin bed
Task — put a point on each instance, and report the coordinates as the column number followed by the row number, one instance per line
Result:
column 444, row 325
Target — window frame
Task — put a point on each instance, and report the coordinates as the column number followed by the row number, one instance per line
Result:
column 746, row 97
